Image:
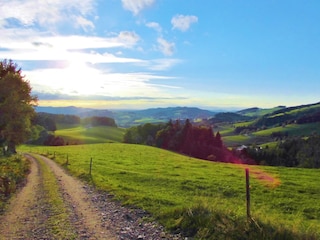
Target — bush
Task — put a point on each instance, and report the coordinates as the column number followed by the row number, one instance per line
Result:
column 13, row 172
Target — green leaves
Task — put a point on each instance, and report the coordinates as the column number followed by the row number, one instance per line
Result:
column 16, row 105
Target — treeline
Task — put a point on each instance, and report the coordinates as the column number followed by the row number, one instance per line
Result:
column 293, row 152
column 99, row 121
column 182, row 137
column 310, row 118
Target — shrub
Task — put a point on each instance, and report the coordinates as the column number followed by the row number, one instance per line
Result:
column 13, row 171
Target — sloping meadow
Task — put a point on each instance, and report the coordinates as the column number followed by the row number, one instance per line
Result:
column 203, row 199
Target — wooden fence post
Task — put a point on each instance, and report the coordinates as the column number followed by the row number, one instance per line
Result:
column 90, row 166
column 248, row 194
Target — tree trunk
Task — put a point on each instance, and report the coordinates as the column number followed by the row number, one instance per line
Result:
column 11, row 148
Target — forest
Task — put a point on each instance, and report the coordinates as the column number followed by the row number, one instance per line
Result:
column 181, row 137
column 291, row 152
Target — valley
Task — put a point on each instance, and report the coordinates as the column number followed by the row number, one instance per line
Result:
column 192, row 197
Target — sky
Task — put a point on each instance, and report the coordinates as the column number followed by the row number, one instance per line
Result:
column 137, row 54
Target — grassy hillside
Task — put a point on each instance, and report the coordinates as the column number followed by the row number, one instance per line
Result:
column 283, row 116
column 201, row 198
column 292, row 130
column 264, row 136
column 257, row 112
column 298, row 121
column 78, row 134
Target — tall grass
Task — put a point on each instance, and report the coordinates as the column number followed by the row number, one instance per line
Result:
column 185, row 193
column 13, row 171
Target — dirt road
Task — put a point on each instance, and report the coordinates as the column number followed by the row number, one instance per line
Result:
column 54, row 205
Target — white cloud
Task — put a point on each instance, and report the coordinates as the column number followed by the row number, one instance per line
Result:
column 182, row 22
column 21, row 44
column 128, row 38
column 18, row 39
column 81, row 79
column 154, row 25
column 46, row 13
column 164, row 64
column 84, row 23
column 166, row 47
column 135, row 6
column 161, row 64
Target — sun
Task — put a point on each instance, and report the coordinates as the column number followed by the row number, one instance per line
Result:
column 80, row 79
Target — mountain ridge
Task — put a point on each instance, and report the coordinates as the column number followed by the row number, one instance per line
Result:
column 126, row 118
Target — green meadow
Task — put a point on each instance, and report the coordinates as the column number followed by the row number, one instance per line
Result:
column 264, row 136
column 199, row 198
column 292, row 130
column 79, row 134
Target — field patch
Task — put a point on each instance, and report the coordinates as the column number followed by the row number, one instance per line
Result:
column 175, row 188
column 78, row 134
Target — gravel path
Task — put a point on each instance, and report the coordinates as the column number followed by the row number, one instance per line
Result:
column 92, row 214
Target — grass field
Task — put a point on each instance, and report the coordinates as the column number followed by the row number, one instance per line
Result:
column 264, row 136
column 236, row 140
column 292, row 129
column 200, row 198
column 78, row 134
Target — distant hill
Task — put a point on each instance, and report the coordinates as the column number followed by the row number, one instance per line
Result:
column 261, row 117
column 81, row 112
column 296, row 114
column 127, row 118
column 228, row 117
column 255, row 112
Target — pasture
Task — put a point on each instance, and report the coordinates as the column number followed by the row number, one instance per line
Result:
column 292, row 130
column 200, row 198
column 79, row 134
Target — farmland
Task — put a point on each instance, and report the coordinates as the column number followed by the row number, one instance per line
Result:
column 77, row 134
column 177, row 189
column 264, row 136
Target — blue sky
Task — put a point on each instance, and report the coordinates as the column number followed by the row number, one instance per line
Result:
column 158, row 53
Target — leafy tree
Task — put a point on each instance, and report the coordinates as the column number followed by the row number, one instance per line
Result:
column 16, row 106
column 45, row 120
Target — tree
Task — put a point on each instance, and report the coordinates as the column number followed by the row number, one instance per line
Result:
column 16, row 106
column 218, row 140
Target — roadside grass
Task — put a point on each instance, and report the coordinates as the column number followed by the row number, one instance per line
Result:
column 58, row 222
column 13, row 172
column 78, row 134
column 180, row 191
